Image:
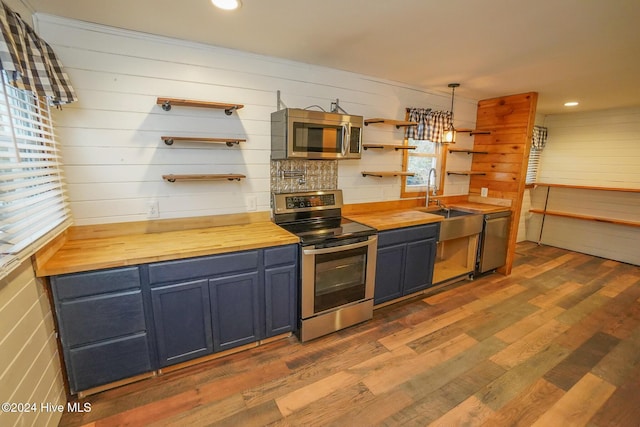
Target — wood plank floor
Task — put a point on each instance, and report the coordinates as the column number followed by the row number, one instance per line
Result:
column 557, row 343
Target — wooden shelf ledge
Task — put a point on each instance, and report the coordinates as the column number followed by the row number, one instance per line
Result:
column 167, row 103
column 586, row 187
column 397, row 123
column 394, row 146
column 587, row 217
column 474, row 131
column 382, row 174
column 466, row 173
column 202, row 177
column 169, row 140
column 462, row 150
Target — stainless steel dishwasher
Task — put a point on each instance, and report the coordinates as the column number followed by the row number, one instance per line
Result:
column 492, row 250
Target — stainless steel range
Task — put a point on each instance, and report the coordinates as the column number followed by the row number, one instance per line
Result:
column 338, row 261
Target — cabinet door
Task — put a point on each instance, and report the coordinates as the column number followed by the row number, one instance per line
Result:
column 281, row 286
column 235, row 310
column 418, row 272
column 389, row 273
column 182, row 318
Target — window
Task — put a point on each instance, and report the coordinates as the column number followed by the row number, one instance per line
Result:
column 33, row 200
column 427, row 155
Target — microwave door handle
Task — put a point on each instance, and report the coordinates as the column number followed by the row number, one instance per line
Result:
column 335, row 249
column 345, row 139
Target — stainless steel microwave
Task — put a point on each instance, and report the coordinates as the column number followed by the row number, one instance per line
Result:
column 306, row 134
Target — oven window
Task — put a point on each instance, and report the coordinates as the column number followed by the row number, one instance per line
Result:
column 340, row 278
column 317, row 138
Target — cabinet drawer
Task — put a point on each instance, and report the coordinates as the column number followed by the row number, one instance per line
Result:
column 408, row 234
column 78, row 285
column 280, row 255
column 101, row 317
column 108, row 361
column 171, row 271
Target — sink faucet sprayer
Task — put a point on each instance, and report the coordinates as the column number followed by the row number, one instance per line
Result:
column 432, row 170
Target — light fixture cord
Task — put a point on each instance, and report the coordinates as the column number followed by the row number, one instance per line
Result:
column 453, row 93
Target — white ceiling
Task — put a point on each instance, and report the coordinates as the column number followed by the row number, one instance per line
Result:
column 584, row 50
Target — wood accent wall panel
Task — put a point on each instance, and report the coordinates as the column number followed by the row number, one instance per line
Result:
column 510, row 120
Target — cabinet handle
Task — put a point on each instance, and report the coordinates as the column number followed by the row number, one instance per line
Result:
column 340, row 248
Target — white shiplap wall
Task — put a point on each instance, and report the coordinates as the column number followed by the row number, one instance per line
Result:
column 600, row 149
column 113, row 154
column 30, row 369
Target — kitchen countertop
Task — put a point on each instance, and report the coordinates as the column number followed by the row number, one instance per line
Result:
column 387, row 220
column 138, row 248
column 132, row 249
column 482, row 208
column 407, row 217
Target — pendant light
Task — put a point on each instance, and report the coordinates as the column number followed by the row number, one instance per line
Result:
column 449, row 134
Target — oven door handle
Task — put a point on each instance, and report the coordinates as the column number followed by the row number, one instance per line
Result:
column 335, row 249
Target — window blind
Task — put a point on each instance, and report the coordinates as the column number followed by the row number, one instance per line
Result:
column 33, row 199
column 532, row 166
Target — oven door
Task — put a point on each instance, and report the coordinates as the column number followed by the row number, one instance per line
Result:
column 336, row 276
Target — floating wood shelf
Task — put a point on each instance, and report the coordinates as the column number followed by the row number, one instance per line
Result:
column 474, row 131
column 202, row 177
column 465, row 173
column 586, row 187
column 587, row 217
column 382, row 174
column 461, row 150
column 394, row 146
column 167, row 103
column 397, row 123
column 169, row 140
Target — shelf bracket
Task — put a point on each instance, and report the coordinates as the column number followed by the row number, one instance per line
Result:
column 168, row 141
column 232, row 143
column 166, row 106
column 230, row 110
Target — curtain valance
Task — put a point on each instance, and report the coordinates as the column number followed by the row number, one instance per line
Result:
column 431, row 124
column 29, row 62
column 539, row 138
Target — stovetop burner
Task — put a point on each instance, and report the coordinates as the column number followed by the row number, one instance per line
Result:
column 315, row 217
column 316, row 231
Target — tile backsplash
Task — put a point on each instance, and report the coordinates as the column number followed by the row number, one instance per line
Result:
column 288, row 176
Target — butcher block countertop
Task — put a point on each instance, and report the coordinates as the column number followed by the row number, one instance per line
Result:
column 387, row 220
column 407, row 217
column 119, row 245
column 482, row 208
column 131, row 249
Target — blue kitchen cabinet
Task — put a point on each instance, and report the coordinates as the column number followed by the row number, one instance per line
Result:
column 235, row 310
column 182, row 320
column 102, row 326
column 405, row 261
column 122, row 322
column 389, row 273
column 280, row 290
column 250, row 295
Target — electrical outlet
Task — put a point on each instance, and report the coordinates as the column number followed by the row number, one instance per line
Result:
column 153, row 210
column 484, row 192
column 251, row 202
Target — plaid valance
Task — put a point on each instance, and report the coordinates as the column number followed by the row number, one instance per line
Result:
column 29, row 62
column 431, row 124
column 539, row 138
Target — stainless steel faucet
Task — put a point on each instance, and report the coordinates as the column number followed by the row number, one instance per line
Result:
column 432, row 170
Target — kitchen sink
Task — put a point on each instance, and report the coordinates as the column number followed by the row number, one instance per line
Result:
column 456, row 223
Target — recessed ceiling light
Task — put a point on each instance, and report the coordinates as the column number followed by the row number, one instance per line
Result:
column 226, row 4
column 571, row 104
